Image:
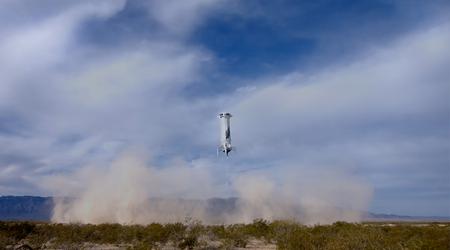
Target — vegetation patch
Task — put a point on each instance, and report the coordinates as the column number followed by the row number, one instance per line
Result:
column 194, row 235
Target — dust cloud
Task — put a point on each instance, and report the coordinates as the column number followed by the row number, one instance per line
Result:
column 131, row 191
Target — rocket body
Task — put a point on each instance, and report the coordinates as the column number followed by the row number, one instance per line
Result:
column 225, row 133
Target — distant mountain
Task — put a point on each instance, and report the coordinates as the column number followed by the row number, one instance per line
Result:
column 394, row 217
column 26, row 208
column 37, row 208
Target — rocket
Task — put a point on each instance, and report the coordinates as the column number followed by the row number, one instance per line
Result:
column 225, row 133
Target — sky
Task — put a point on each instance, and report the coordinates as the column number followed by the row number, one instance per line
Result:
column 356, row 89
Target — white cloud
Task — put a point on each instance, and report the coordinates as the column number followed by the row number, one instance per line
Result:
column 180, row 17
column 36, row 48
column 408, row 79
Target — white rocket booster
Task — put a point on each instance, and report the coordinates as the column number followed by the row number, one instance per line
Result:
column 225, row 133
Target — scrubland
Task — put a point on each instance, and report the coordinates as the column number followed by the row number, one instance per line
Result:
column 260, row 234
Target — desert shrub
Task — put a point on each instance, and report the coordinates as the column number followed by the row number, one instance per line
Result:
column 286, row 234
column 193, row 232
column 259, row 229
column 231, row 236
column 176, row 232
column 219, row 231
column 278, row 229
column 41, row 234
column 292, row 236
column 188, row 242
column 104, row 233
column 157, row 233
column 236, row 235
column 16, row 230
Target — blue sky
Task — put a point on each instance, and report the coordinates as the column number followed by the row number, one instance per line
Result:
column 336, row 98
